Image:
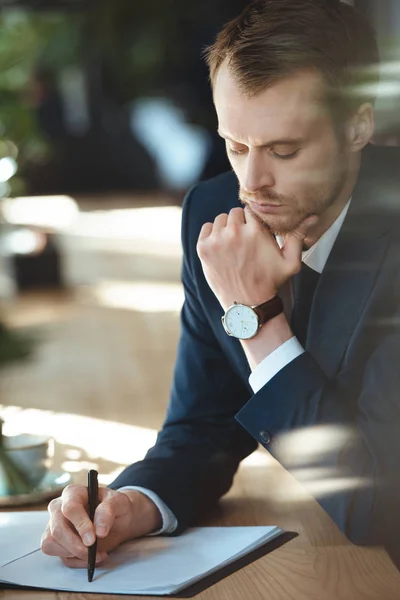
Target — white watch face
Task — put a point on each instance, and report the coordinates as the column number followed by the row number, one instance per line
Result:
column 241, row 321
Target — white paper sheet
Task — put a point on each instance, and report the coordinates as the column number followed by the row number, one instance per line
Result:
column 154, row 565
column 20, row 533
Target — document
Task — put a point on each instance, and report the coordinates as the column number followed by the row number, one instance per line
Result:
column 20, row 533
column 148, row 566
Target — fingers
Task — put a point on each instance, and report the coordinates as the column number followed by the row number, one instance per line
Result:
column 220, row 223
column 74, row 508
column 205, row 231
column 51, row 547
column 70, row 531
column 293, row 246
column 251, row 219
column 60, row 539
column 55, row 542
column 302, row 230
column 236, row 217
column 114, row 505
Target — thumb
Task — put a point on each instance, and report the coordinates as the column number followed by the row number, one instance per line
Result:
column 294, row 240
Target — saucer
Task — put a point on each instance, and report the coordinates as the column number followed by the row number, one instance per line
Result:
column 51, row 486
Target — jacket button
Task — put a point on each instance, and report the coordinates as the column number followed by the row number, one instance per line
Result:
column 265, row 437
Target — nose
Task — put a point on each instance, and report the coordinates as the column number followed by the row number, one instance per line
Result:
column 257, row 173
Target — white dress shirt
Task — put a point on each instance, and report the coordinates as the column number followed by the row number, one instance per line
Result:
column 315, row 258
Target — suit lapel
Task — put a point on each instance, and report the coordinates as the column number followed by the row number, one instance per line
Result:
column 341, row 295
column 348, row 278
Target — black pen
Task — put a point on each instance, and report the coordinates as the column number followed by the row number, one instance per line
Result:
column 93, row 490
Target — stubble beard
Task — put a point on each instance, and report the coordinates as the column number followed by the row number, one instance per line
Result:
column 319, row 201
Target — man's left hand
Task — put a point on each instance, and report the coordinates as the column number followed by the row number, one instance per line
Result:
column 242, row 261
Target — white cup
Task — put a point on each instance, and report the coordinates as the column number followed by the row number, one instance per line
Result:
column 32, row 454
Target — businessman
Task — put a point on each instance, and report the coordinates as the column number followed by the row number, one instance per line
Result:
column 291, row 277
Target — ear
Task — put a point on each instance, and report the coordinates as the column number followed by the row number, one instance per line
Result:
column 360, row 127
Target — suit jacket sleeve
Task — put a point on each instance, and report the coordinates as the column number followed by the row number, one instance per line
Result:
column 357, row 453
column 201, row 444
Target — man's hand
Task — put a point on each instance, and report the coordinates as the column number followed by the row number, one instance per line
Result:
column 242, row 261
column 120, row 516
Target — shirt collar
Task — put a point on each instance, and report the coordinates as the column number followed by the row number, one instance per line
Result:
column 316, row 256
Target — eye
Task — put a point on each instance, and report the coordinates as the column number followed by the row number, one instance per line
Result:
column 233, row 151
column 285, row 156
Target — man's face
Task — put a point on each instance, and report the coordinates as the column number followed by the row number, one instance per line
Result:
column 283, row 148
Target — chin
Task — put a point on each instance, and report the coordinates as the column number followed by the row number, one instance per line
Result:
column 280, row 226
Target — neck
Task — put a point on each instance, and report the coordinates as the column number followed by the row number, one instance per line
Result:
column 331, row 214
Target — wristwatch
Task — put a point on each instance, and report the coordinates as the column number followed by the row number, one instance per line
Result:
column 244, row 322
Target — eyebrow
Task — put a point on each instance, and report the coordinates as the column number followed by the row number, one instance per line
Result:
column 278, row 142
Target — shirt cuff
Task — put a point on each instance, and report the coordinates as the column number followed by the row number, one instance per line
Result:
column 169, row 521
column 275, row 362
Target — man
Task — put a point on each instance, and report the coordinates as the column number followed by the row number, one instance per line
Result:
column 312, row 262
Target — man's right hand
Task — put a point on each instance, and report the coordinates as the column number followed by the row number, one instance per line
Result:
column 119, row 517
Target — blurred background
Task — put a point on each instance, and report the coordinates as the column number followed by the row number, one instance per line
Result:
column 106, row 120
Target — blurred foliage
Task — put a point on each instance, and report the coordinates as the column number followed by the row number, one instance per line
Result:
column 27, row 38
column 127, row 41
column 124, row 50
column 139, row 41
column 154, row 48
column 28, row 41
column 15, row 346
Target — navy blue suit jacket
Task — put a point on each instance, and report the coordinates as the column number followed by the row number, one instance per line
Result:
column 348, row 376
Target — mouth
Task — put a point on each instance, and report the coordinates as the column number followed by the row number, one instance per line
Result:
column 266, row 208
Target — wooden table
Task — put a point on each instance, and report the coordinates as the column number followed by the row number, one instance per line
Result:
column 319, row 564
